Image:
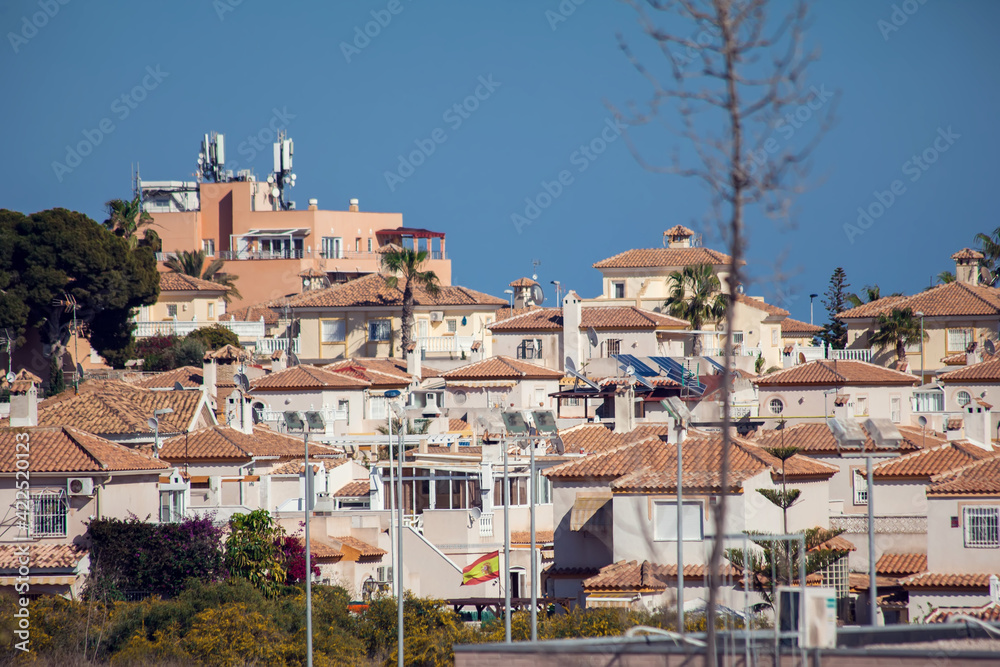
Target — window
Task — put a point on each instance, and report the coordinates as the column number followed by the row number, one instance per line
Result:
column 172, row 310
column 774, row 337
column 333, row 331
column 357, row 245
column 530, row 348
column 571, row 402
column 959, row 339
column 543, row 489
column 377, row 407
column 211, row 311
column 612, row 346
column 379, row 330
column 665, row 516
column 860, row 487
column 895, row 409
column 171, row 506
column 619, row 290
column 332, row 247
column 737, row 338
column 343, row 410
column 928, row 401
column 981, row 526
column 208, row 247
column 963, row 398
column 860, row 406
column 776, row 406
column 369, row 245
column 452, row 325
column 48, row 514
column 539, row 396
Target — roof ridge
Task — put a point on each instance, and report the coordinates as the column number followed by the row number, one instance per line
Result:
column 945, row 476
column 86, row 450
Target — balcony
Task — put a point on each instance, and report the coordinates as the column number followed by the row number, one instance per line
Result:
column 850, row 355
column 268, row 346
column 805, row 354
column 174, row 327
column 738, row 351
column 248, row 254
column 453, row 344
column 330, row 415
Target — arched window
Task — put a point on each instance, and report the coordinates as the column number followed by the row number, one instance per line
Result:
column 776, row 406
column 963, row 398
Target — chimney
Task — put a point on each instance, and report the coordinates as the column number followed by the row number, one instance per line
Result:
column 423, row 446
column 413, row 366
column 972, row 354
column 239, row 414
column 354, row 208
column 24, row 399
column 313, row 204
column 994, row 589
column 279, row 361
column 208, row 370
column 454, row 447
column 977, row 423
column 967, row 263
column 624, row 410
column 572, row 308
column 841, row 406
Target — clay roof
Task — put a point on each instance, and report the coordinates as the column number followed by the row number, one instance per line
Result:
column 826, row 372
column 371, row 290
column 522, row 282
column 932, row 461
column 835, row 543
column 229, row 353
column 501, row 367
column 976, row 478
column 678, row 230
column 989, row 612
column 379, row 371
column 178, row 282
column 459, row 426
column 760, row 304
column 43, row 556
column 189, row 377
column 254, row 313
column 968, row 253
column 593, row 438
column 796, row 329
column 118, row 408
column 312, row 272
column 938, row 580
column 309, row 377
column 955, row 298
column 71, row 450
column 225, row 443
column 617, row 317
column 662, row 257
column 355, row 489
column 524, row 537
column 635, row 576
column 984, row 371
column 816, row 438
column 363, row 548
column 23, row 381
column 898, row 565
column 321, row 549
column 296, row 467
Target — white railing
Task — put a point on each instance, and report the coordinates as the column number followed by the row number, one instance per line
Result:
column 737, row 351
column 850, row 355
column 445, row 343
column 739, row 411
column 486, row 525
column 175, row 327
column 805, row 354
column 329, row 414
column 267, row 346
column 414, row 521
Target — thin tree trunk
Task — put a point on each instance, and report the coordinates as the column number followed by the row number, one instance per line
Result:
column 407, row 323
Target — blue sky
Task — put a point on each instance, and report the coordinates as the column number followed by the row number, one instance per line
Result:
column 189, row 67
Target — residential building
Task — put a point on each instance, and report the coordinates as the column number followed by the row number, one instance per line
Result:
column 499, row 382
column 185, row 303
column 980, row 380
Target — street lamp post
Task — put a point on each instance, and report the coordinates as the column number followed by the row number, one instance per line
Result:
column 397, row 408
column 811, row 297
column 155, row 424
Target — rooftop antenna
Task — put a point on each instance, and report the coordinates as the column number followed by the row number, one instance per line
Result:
column 535, row 263
column 282, row 175
column 68, row 302
column 212, row 158
column 10, row 352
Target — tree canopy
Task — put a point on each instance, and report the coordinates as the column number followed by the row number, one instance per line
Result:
column 836, row 300
column 49, row 255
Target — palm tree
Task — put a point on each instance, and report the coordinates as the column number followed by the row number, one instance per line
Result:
column 125, row 218
column 897, row 329
column 695, row 296
column 192, row 263
column 405, row 265
column 989, row 245
column 946, row 277
column 868, row 294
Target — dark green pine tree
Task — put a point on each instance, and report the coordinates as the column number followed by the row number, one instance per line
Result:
column 834, row 332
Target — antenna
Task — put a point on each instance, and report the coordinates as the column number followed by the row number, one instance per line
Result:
column 282, row 176
column 212, row 158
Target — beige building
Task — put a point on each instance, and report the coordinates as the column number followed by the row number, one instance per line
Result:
column 185, row 304
column 499, row 383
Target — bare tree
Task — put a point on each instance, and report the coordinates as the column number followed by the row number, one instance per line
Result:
column 733, row 91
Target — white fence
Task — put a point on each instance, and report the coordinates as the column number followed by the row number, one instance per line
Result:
column 804, row 354
column 486, row 525
column 738, row 351
column 175, row 327
column 850, row 355
column 445, row 343
column 266, row 346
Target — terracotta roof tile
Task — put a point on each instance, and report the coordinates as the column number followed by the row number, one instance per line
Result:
column 189, row 377
column 595, row 438
column 984, row 371
column 178, row 282
column 523, row 282
column 371, row 290
column 225, row 443
column 321, row 549
column 296, row 467
column 309, row 377
column 939, row 580
column 363, row 548
column 596, row 317
column 816, row 438
column 356, row 489
column 459, row 426
column 380, row 372
column 989, row 612
column 760, row 304
column 229, row 353
column 968, row 253
column 836, row 372
column 835, row 543
column 932, row 461
column 43, row 556
column 71, row 450
column 524, row 537
column 898, row 565
column 977, row 478
column 635, row 576
column 254, row 313
column 678, row 230
column 955, row 298
column 663, row 257
column 501, row 367
column 796, row 329
column 23, row 381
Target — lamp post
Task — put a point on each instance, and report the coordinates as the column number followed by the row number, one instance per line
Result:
column 811, row 297
column 921, row 316
column 155, row 424
column 400, row 453
column 510, row 292
column 314, row 421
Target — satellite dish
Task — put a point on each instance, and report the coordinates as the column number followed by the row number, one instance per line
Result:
column 79, row 370
column 802, row 357
column 985, row 276
column 740, row 289
column 570, row 365
column 991, row 348
column 241, row 381
column 537, row 295
column 293, row 359
column 629, row 371
column 475, row 513
column 275, row 192
column 459, row 397
column 592, row 337
column 178, row 386
column 922, row 421
column 11, row 377
column 154, row 423
column 270, row 178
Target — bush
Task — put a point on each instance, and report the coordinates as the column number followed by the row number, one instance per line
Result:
column 215, row 336
column 189, row 352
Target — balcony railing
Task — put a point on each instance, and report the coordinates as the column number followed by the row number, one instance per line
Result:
column 445, row 343
column 737, row 351
column 850, row 355
column 486, row 525
column 145, row 329
column 329, row 415
column 248, row 254
column 267, row 346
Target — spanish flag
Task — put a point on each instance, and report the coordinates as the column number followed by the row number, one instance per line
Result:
column 483, row 569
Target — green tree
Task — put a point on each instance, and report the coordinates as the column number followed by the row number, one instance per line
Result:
column 253, row 551
column 946, row 277
column 192, row 263
column 215, row 336
column 695, row 295
column 54, row 253
column 406, row 265
column 126, row 218
column 989, row 245
column 897, row 329
column 834, row 332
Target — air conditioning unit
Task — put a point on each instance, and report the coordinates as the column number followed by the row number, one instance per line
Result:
column 80, row 486
column 384, row 574
column 437, row 315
